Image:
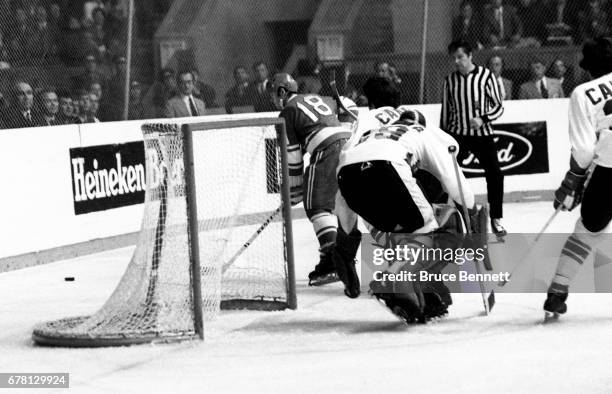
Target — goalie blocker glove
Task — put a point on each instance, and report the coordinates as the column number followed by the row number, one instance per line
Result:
column 569, row 194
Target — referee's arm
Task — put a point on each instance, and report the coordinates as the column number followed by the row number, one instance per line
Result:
column 494, row 100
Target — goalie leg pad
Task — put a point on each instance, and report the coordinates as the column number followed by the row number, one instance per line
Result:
column 343, row 255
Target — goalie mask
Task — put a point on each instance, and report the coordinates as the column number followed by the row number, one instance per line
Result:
column 410, row 116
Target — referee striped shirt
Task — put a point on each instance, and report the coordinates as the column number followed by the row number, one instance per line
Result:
column 469, row 96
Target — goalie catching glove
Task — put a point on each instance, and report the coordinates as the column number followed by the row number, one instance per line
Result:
column 569, row 194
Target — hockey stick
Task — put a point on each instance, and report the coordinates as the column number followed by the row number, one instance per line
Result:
column 503, row 282
column 244, row 247
column 336, row 95
column 488, row 302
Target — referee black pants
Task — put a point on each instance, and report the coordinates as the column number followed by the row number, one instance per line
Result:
column 485, row 150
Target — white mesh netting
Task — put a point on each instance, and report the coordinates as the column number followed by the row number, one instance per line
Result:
column 237, row 191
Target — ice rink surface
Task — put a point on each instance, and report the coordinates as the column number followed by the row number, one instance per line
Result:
column 330, row 344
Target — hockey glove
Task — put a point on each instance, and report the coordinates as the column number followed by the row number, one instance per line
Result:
column 569, row 194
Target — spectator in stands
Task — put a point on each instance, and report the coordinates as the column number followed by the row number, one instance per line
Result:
column 185, row 104
column 22, row 112
column 20, row 38
column 84, row 101
column 112, row 102
column 66, row 110
column 203, row 91
column 593, row 21
column 308, row 77
column 540, row 87
column 466, row 26
column 99, row 32
column 502, row 27
column 50, row 107
column 90, row 75
column 381, row 69
column 261, row 89
column 163, row 90
column 239, row 95
column 94, row 106
column 496, row 64
column 558, row 70
column 136, row 107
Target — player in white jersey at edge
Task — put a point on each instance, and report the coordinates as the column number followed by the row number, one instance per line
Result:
column 590, row 120
column 375, row 178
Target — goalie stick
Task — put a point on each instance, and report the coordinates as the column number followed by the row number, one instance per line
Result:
column 489, row 301
column 248, row 243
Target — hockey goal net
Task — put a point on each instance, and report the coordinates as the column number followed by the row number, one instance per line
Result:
column 215, row 233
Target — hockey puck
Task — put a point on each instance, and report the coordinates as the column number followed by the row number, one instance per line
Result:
column 69, row 279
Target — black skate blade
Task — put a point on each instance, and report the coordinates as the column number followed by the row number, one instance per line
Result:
column 324, row 280
column 501, row 238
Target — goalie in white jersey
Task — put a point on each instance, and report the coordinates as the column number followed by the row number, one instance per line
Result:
column 590, row 122
column 375, row 178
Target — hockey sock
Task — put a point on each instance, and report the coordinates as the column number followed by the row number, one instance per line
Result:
column 326, row 227
column 574, row 253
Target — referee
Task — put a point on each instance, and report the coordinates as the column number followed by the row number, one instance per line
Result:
column 471, row 101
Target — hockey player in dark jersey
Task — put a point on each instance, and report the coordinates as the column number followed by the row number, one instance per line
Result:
column 313, row 127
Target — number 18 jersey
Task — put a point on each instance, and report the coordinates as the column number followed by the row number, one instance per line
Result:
column 311, row 123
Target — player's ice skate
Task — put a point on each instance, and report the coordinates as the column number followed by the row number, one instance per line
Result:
column 554, row 306
column 498, row 230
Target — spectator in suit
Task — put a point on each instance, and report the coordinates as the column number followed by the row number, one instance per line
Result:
column 66, row 110
column 43, row 44
column 261, row 90
column 90, row 75
column 84, row 105
column 239, row 95
column 185, row 104
column 466, row 26
column 22, row 112
column 94, row 106
column 50, row 107
column 163, row 90
column 136, row 106
column 496, row 64
column 203, row 91
column 540, row 87
column 381, row 69
column 558, row 70
column 502, row 26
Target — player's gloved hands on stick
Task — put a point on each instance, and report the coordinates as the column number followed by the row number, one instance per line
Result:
column 569, row 194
